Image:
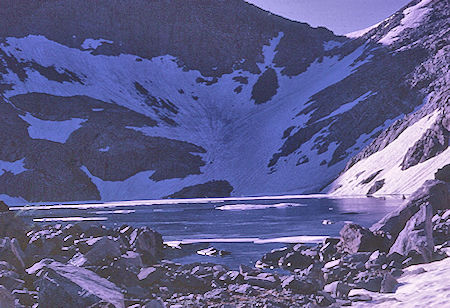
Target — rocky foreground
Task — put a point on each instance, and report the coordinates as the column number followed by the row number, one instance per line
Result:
column 88, row 265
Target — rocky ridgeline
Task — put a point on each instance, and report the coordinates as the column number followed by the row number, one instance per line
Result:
column 88, row 265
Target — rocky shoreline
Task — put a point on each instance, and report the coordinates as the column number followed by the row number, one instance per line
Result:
column 89, row 265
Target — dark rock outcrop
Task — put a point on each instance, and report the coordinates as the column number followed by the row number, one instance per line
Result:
column 443, row 174
column 212, row 189
column 417, row 235
column 265, row 87
column 433, row 142
column 376, row 187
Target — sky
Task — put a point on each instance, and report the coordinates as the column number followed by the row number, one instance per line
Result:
column 340, row 16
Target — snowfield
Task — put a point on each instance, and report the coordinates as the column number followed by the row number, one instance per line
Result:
column 431, row 288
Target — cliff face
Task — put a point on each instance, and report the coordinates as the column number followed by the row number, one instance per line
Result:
column 118, row 100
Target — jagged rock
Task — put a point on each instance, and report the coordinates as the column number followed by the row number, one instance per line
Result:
column 150, row 275
column 376, row 187
column 211, row 251
column 11, row 252
column 443, row 174
column 271, row 258
column 6, row 298
column 417, row 235
column 25, row 297
column 388, row 284
column 295, row 260
column 433, row 142
column 338, row 289
column 434, row 192
column 369, row 280
column 148, row 244
column 99, row 249
column 3, row 207
column 263, row 280
column 130, row 259
column 324, row 299
column 43, row 243
column 245, row 270
column 355, row 238
column 300, row 285
column 62, row 285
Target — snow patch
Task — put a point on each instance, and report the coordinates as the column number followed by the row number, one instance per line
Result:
column 57, row 131
column 361, row 32
column 389, row 160
column 329, row 45
column 12, row 201
column 94, row 43
column 247, row 207
column 15, row 167
column 105, row 149
column 348, row 106
column 413, row 16
column 427, row 289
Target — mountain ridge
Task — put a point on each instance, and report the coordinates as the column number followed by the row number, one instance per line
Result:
column 283, row 112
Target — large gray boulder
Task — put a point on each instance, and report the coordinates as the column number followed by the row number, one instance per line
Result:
column 100, row 248
column 417, row 236
column 355, row 238
column 62, row 285
column 148, row 244
column 434, row 192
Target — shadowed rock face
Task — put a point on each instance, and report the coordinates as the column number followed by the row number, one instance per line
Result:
column 53, row 169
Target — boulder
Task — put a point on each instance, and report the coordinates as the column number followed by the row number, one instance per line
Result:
column 100, row 248
column 148, row 244
column 296, row 260
column 433, row 192
column 150, row 275
column 130, row 259
column 62, row 285
column 3, row 207
column 300, row 285
column 388, row 284
column 7, row 300
column 263, row 280
column 11, row 252
column 417, row 236
column 338, row 289
column 370, row 281
column 443, row 174
column 355, row 238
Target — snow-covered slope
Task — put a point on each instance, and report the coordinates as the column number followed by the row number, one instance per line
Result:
column 142, row 101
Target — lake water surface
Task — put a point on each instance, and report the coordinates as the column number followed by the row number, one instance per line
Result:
column 247, row 228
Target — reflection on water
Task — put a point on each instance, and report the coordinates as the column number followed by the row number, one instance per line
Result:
column 247, row 228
